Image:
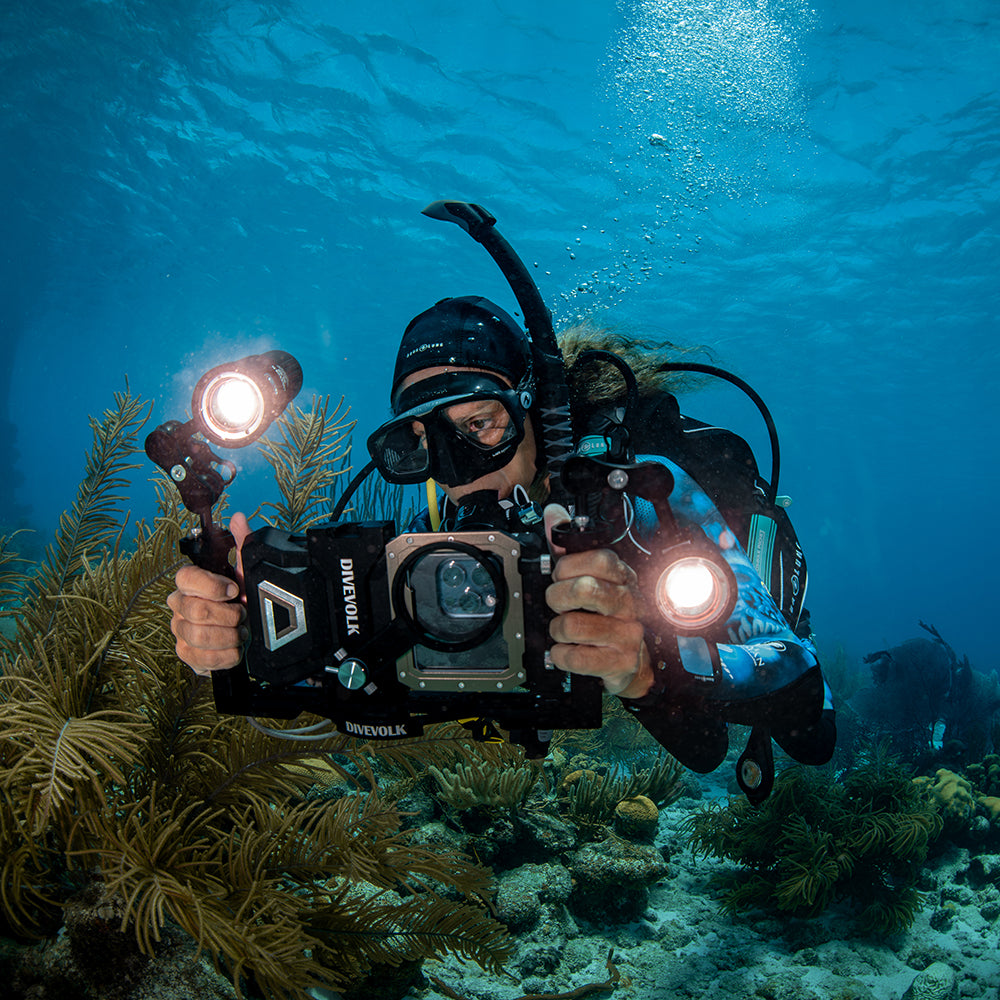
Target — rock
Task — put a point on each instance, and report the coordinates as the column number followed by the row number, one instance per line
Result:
column 541, row 961
column 524, row 891
column 984, row 870
column 959, row 893
column 544, row 835
column 492, row 839
column 179, row 970
column 943, row 917
column 520, row 911
column 612, row 879
column 780, row 985
column 385, row 982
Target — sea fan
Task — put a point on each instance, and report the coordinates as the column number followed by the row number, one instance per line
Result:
column 304, row 460
column 95, row 520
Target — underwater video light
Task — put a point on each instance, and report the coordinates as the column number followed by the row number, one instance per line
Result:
column 234, row 403
column 696, row 589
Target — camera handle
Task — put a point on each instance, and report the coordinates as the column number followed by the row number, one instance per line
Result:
column 208, row 547
column 195, row 471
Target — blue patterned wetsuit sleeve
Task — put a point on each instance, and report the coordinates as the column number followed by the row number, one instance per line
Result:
column 763, row 655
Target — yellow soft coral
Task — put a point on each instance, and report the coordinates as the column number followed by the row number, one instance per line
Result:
column 952, row 793
column 991, row 804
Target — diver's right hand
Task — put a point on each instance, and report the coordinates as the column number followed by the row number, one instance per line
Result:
column 208, row 622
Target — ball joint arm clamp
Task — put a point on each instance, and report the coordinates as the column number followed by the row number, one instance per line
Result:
column 195, row 471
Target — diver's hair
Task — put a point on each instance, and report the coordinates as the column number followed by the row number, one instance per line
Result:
column 593, row 382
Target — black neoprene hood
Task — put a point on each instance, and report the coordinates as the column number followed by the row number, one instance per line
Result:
column 468, row 331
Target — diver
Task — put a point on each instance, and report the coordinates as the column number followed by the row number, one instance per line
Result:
column 463, row 399
column 464, row 346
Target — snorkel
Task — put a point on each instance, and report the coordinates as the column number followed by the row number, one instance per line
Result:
column 556, row 433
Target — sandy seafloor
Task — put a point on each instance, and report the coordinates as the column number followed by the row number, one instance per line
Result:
column 686, row 947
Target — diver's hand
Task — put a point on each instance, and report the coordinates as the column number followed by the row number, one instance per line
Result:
column 208, row 623
column 597, row 628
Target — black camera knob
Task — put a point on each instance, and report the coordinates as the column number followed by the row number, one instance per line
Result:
column 577, row 535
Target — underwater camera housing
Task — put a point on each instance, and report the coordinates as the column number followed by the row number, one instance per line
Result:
column 385, row 633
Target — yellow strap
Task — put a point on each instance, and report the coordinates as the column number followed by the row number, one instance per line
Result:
column 432, row 505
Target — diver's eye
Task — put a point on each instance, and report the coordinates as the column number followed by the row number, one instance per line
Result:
column 489, row 430
column 485, row 423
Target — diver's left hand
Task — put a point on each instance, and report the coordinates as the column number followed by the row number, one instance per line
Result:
column 597, row 628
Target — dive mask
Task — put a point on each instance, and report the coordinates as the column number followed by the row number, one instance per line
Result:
column 453, row 428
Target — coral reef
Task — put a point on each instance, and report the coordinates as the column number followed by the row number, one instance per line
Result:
column 969, row 803
column 591, row 798
column 991, row 803
column 911, row 681
column 986, row 775
column 506, row 810
column 970, row 713
column 586, row 846
column 480, row 782
column 814, row 841
column 303, row 456
column 139, row 826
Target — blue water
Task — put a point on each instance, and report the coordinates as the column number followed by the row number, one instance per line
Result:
column 189, row 182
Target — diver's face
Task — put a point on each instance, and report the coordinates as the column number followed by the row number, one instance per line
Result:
column 486, row 420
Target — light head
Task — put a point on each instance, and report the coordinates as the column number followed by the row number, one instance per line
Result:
column 695, row 591
column 234, row 403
